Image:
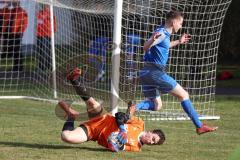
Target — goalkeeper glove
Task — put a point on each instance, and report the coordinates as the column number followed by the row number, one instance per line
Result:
column 122, row 135
column 113, row 143
column 113, row 146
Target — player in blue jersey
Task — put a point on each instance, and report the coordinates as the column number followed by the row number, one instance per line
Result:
column 133, row 40
column 153, row 77
column 98, row 47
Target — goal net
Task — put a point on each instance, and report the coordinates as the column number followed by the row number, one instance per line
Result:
column 81, row 33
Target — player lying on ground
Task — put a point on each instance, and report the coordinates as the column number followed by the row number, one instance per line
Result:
column 122, row 132
column 155, row 80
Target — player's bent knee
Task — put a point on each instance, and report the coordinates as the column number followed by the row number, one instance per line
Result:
column 185, row 96
column 158, row 106
column 65, row 136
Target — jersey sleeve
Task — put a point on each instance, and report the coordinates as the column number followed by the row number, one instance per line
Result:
column 160, row 38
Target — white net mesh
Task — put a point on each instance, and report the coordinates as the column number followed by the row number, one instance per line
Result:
column 193, row 65
column 83, row 38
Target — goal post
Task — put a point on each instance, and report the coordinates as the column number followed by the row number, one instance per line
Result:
column 87, row 34
column 116, row 55
column 53, row 51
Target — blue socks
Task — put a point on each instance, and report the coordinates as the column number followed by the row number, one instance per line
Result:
column 189, row 109
column 145, row 105
column 186, row 105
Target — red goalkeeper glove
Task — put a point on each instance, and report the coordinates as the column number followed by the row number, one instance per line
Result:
column 113, row 146
column 113, row 143
column 122, row 135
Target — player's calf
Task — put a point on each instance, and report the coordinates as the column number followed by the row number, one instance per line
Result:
column 69, row 112
column 80, row 89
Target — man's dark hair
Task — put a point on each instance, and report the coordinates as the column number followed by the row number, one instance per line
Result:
column 173, row 15
column 161, row 135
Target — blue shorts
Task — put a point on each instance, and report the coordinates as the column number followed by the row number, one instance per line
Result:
column 155, row 81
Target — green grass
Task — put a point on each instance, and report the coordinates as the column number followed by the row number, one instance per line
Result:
column 230, row 83
column 29, row 130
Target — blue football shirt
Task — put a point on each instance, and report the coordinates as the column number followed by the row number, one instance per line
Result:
column 158, row 53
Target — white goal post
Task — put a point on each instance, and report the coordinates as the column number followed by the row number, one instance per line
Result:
column 106, row 37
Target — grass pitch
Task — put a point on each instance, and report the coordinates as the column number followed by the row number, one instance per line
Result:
column 29, row 130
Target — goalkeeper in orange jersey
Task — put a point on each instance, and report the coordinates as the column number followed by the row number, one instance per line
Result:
column 122, row 132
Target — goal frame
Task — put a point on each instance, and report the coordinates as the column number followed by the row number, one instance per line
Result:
column 115, row 98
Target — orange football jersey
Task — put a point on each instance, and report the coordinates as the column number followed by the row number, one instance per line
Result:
column 100, row 128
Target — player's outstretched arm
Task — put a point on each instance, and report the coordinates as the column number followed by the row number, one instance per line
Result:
column 121, row 119
column 131, row 109
column 150, row 42
column 183, row 39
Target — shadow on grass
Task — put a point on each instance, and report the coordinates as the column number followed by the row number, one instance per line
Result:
column 49, row 146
